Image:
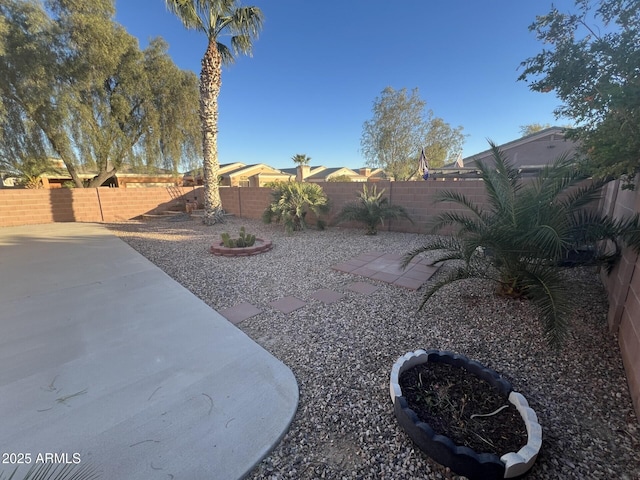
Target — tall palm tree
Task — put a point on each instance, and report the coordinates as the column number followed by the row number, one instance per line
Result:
column 216, row 18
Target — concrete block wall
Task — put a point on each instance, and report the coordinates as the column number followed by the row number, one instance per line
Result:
column 24, row 207
column 629, row 337
column 418, row 198
column 27, row 207
column 245, row 202
column 623, row 288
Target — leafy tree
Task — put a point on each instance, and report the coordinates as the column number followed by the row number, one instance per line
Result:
column 301, row 159
column 400, row 129
column 532, row 128
column 216, row 18
column 24, row 28
column 22, row 152
column 79, row 88
column 177, row 140
column 590, row 61
column 372, row 209
column 526, row 233
column 291, row 201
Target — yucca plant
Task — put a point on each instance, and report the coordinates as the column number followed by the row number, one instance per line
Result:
column 291, row 201
column 521, row 239
column 372, row 209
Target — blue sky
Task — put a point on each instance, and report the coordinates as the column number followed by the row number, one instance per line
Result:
column 318, row 66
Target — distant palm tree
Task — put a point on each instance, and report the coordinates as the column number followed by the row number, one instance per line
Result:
column 215, row 18
column 301, row 159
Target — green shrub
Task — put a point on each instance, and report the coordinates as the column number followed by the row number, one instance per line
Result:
column 291, row 201
column 372, row 209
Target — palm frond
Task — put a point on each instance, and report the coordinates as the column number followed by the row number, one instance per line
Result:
column 448, row 244
column 459, row 199
column 225, row 54
column 57, row 471
column 545, row 287
column 501, row 181
column 544, row 241
column 460, row 273
column 187, row 13
column 464, row 223
column 583, row 196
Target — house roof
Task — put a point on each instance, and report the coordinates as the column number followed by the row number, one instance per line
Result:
column 312, row 170
column 224, row 168
column 374, row 172
column 249, row 170
column 531, row 152
column 327, row 173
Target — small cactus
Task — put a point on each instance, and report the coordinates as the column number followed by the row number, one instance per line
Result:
column 244, row 240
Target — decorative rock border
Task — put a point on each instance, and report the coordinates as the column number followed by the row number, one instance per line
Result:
column 260, row 246
column 463, row 460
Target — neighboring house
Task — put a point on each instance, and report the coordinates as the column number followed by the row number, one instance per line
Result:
column 195, row 177
column 239, row 174
column 125, row 177
column 529, row 154
column 373, row 175
column 328, row 174
column 256, row 175
column 305, row 173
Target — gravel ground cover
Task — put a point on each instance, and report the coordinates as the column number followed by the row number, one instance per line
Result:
column 342, row 353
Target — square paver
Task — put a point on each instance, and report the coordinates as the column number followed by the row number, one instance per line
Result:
column 345, row 267
column 410, row 283
column 368, row 256
column 287, row 304
column 363, row 288
column 386, row 268
column 386, row 277
column 417, row 274
column 365, row 272
column 326, row 296
column 239, row 313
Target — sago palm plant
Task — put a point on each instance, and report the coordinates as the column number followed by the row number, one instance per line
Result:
column 291, row 201
column 525, row 233
column 372, row 209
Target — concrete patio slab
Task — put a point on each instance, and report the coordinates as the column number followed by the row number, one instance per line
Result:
column 104, row 356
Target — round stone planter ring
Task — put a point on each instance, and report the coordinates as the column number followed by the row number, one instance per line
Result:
column 260, row 246
column 463, row 460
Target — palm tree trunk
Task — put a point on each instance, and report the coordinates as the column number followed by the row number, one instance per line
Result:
column 210, row 83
